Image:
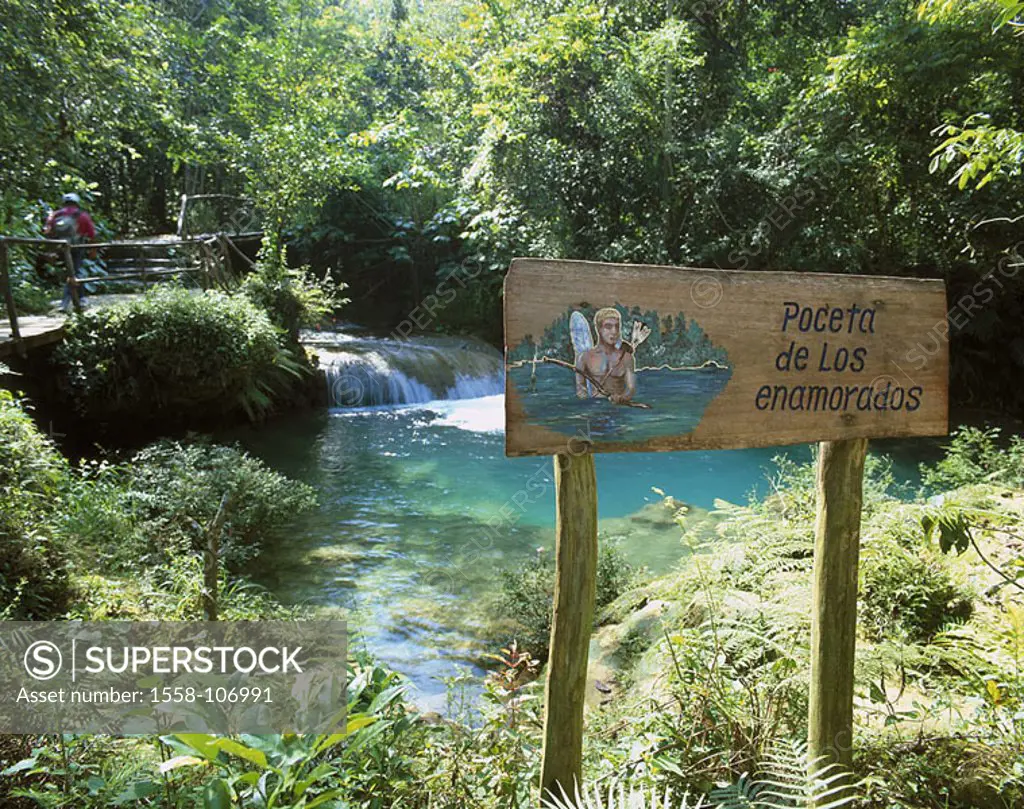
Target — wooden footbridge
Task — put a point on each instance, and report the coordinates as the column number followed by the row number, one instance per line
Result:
column 204, row 261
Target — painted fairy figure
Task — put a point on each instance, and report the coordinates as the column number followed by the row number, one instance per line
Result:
column 610, row 364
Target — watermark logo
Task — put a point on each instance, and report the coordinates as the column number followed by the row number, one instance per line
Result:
column 142, row 677
column 706, row 292
column 43, row 660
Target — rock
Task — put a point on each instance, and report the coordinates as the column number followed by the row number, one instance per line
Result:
column 612, row 648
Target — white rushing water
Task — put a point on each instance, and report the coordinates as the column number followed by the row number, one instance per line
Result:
column 373, row 371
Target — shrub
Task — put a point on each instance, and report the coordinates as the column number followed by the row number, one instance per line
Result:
column 148, row 519
column 32, row 290
column 94, row 515
column 291, row 297
column 614, row 573
column 527, row 593
column 974, row 456
column 528, row 590
column 174, row 356
column 175, row 490
column 174, row 592
column 33, row 565
column 909, row 592
column 160, row 503
column 30, row 298
column 938, row 771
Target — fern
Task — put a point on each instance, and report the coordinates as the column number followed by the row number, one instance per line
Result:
column 752, row 641
column 618, row 798
column 744, row 794
column 991, row 656
column 790, row 779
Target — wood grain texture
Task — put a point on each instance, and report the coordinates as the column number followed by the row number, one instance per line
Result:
column 575, row 593
column 840, row 482
column 744, row 312
column 8, row 293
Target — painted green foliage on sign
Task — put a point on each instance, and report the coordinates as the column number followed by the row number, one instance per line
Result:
column 677, row 341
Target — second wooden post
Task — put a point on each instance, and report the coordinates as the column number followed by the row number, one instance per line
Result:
column 575, row 592
column 834, row 600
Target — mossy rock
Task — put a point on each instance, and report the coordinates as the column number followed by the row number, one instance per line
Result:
column 616, row 649
column 636, row 599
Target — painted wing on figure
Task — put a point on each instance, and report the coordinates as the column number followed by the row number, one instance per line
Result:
column 582, row 340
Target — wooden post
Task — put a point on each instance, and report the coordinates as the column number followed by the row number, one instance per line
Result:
column 182, row 232
column 5, row 280
column 211, row 559
column 834, row 600
column 223, row 242
column 575, row 591
column 69, row 264
column 238, row 251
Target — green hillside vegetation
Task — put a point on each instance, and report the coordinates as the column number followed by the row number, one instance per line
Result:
column 411, row 150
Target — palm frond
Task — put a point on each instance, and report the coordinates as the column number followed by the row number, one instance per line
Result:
column 788, row 778
column 617, row 797
column 791, row 779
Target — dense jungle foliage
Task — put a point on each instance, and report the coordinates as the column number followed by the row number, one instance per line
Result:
column 408, row 151
column 409, row 148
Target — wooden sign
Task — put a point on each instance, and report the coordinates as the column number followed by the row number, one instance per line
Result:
column 629, row 358
column 614, row 358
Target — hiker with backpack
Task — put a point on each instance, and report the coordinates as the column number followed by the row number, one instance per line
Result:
column 73, row 225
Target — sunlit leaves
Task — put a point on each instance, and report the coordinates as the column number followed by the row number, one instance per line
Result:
column 980, row 152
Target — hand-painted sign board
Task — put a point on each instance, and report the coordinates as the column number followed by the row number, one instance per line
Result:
column 647, row 358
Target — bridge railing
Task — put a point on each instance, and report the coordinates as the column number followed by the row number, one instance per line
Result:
column 148, row 267
column 241, row 222
column 5, row 272
column 209, row 257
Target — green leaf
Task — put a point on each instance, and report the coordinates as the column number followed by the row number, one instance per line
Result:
column 202, row 743
column 326, row 742
column 250, row 778
column 386, row 697
column 358, row 723
column 954, row 531
column 329, row 795
column 136, row 792
column 217, row 795
column 24, row 764
column 319, row 772
column 257, row 757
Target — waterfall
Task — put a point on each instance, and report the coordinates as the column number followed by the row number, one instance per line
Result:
column 363, row 371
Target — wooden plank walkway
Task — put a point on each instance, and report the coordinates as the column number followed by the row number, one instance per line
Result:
column 41, row 330
column 36, row 330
